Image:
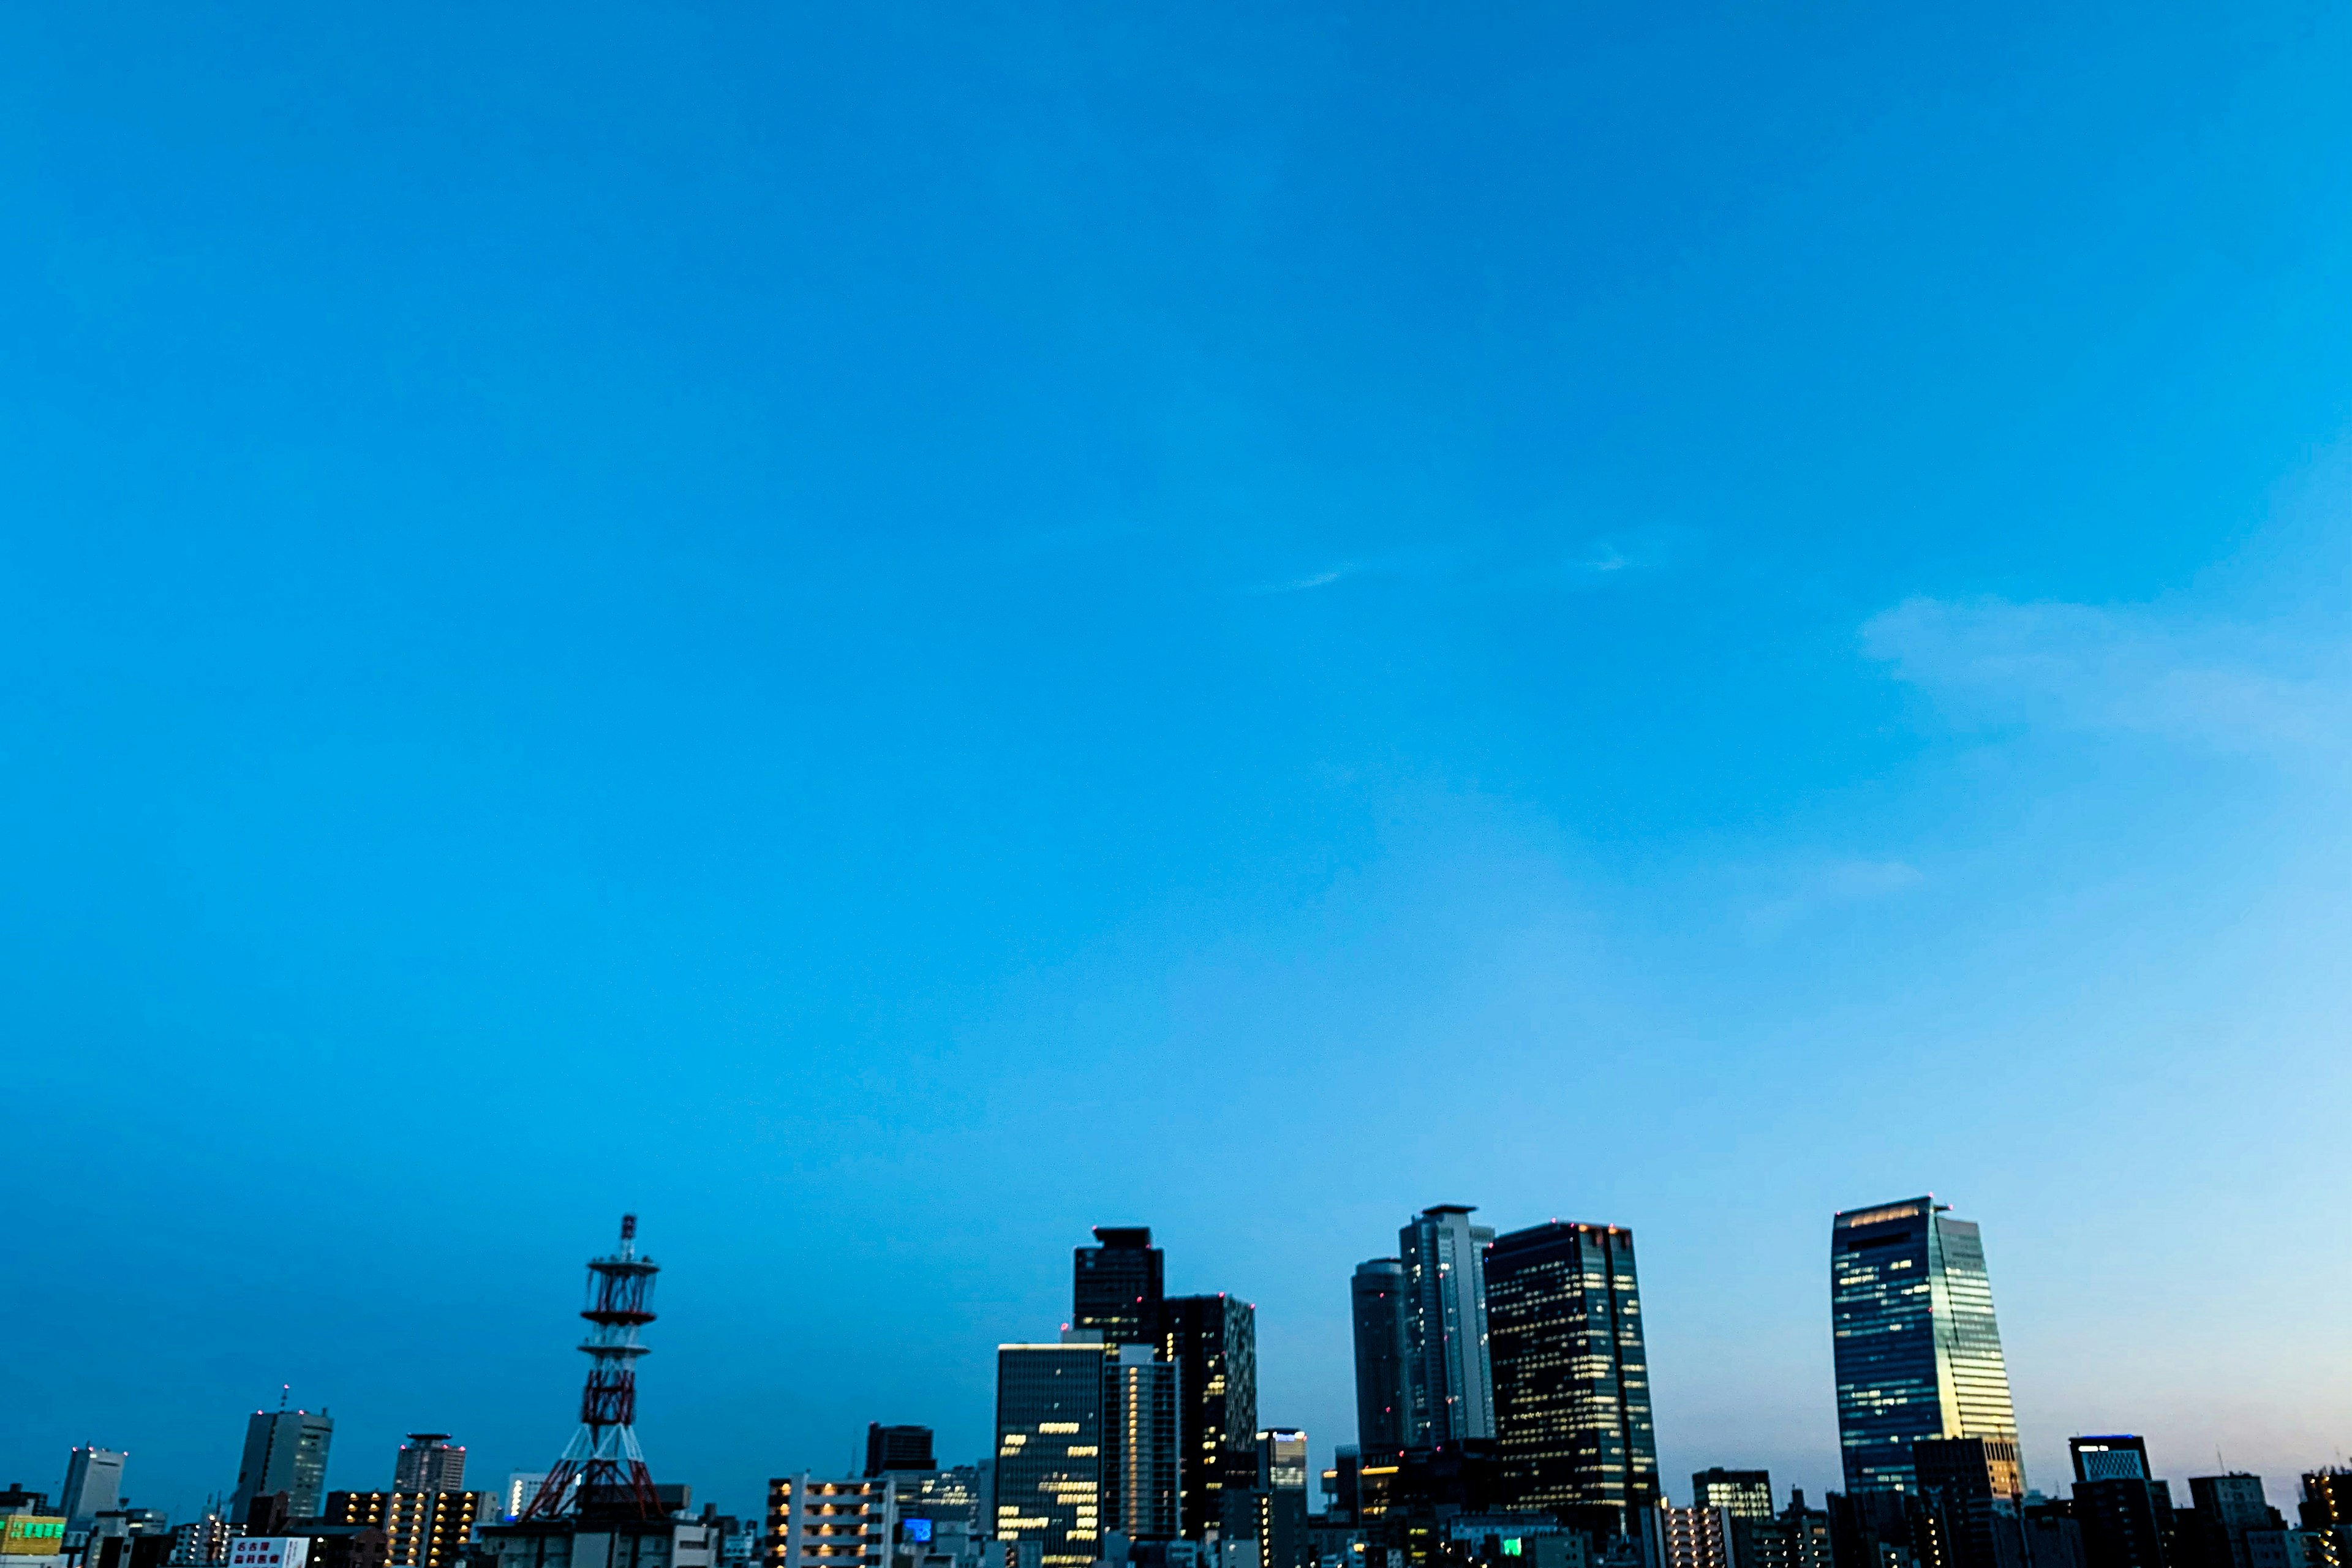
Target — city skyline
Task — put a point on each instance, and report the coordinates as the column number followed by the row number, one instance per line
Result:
column 307, row 1432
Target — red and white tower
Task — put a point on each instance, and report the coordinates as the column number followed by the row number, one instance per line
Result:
column 602, row 1466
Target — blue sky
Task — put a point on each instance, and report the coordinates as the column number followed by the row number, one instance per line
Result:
column 882, row 633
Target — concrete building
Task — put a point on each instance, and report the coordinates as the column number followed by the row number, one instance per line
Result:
column 422, row 1529
column 1448, row 1384
column 601, row 1538
column 1696, row 1537
column 818, row 1524
column 429, row 1462
column 93, row 1485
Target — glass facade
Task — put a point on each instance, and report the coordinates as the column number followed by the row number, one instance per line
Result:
column 1050, row 1438
column 1449, row 1384
column 1918, row 1349
column 1211, row 1340
column 1114, row 1286
column 1375, row 1300
column 1571, row 1377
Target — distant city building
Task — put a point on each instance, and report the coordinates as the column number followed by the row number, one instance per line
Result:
column 1967, row 1496
column 428, row 1462
column 814, row 1524
column 607, row 1532
column 891, row 1448
column 422, row 1529
column 1743, row 1494
column 1050, row 1438
column 1448, row 1384
column 1280, row 1489
column 2232, row 1511
column 1116, row 1286
column 1696, row 1537
column 521, row 1487
column 1571, row 1378
column 2124, row 1512
column 2325, row 1512
column 93, row 1485
column 1143, row 1481
column 1918, row 1349
column 1211, row 1340
column 285, row 1451
column 1377, row 1301
column 203, row 1541
column 1796, row 1537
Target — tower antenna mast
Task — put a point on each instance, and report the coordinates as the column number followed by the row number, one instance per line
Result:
column 603, row 1468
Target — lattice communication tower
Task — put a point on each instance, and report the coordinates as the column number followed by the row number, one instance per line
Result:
column 602, row 1469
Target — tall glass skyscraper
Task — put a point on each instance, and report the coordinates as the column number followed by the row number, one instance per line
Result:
column 1918, row 1350
column 1377, row 1303
column 1571, row 1379
column 1448, row 1384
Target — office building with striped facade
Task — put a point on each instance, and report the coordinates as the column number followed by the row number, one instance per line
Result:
column 1917, row 1347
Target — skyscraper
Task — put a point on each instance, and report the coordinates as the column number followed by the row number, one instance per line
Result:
column 1050, row 1438
column 1966, row 1495
column 93, row 1485
column 1145, row 1481
column 1211, row 1340
column 1115, row 1286
column 1449, row 1387
column 1918, row 1350
column 1377, row 1301
column 285, row 1451
column 428, row 1463
column 1281, row 1498
column 1571, row 1378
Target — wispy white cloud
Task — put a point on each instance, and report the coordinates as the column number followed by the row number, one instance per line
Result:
column 1312, row 581
column 1586, row 564
column 2090, row 668
column 1840, row 884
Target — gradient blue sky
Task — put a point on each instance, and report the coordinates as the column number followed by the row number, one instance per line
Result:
column 882, row 632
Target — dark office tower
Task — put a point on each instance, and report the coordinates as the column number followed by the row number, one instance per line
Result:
column 428, row 1463
column 285, row 1451
column 1281, row 1488
column 1211, row 1340
column 1050, row 1438
column 2327, row 1499
column 1114, row 1286
column 1377, row 1298
column 1966, row 1502
column 1449, row 1387
column 1918, row 1353
column 2228, row 1506
column 1572, row 1381
column 891, row 1448
column 2123, row 1511
column 1743, row 1494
